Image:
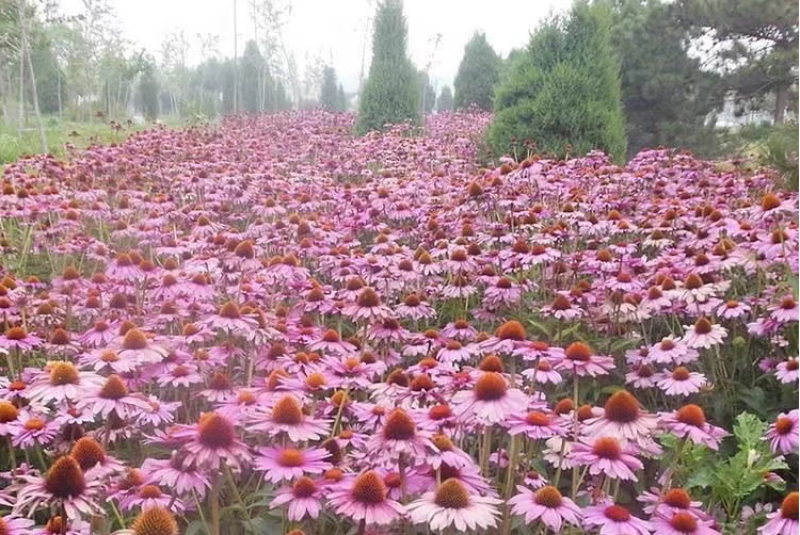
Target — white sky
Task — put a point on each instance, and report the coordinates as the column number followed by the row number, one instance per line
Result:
column 334, row 29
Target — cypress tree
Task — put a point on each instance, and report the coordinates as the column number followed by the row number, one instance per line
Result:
column 477, row 75
column 445, row 100
column 329, row 93
column 564, row 93
column 390, row 94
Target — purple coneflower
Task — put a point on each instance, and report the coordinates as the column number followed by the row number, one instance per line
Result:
column 285, row 464
column 452, row 505
column 615, row 520
column 690, row 422
column 623, row 418
column 682, row 523
column 490, row 401
column 304, row 498
column 681, row 382
column 286, row 416
column 784, row 433
column 546, row 505
column 365, row 499
column 788, row 371
column 784, row 521
column 581, row 361
column 704, row 334
column 213, row 442
column 607, row 455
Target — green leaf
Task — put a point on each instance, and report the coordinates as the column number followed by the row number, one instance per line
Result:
column 195, row 527
column 749, row 431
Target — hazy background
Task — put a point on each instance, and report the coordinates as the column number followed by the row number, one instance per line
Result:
column 334, row 30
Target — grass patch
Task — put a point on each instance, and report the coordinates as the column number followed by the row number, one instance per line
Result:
column 15, row 144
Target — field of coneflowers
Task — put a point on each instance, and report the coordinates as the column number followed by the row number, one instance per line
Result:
column 272, row 327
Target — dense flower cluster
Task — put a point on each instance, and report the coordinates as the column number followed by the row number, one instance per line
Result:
column 327, row 332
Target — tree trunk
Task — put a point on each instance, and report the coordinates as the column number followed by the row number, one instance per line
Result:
column 27, row 54
column 781, row 99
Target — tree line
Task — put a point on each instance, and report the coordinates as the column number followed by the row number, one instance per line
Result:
column 616, row 75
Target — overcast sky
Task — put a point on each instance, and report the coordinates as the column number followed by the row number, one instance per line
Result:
column 334, row 29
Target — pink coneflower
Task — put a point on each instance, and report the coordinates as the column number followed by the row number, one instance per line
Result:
column 63, row 483
column 180, row 375
column 452, row 505
column 31, row 429
column 615, row 520
column 704, row 334
column 732, row 309
column 137, row 347
column 108, row 360
column 286, row 416
column 507, row 338
column 176, row 473
column 670, row 502
column 150, row 497
column 535, row 424
column 18, row 338
column 788, row 371
column 690, row 422
column 13, row 525
column 642, row 376
column 304, row 498
column 581, row 361
column 490, row 401
column 213, row 442
column 788, row 310
column 784, row 433
column 563, row 308
column 460, row 330
column 401, row 436
column 367, row 308
column 681, row 382
column 414, row 308
column 331, row 342
column 623, row 418
column 230, row 320
column 285, row 464
column 219, row 389
column 101, row 334
column 61, row 381
column 784, row 521
column 543, row 373
column 607, row 455
column 671, row 350
column 113, row 396
column 454, row 352
column 682, row 523
column 546, row 505
column 94, row 460
column 365, row 499
column 447, row 453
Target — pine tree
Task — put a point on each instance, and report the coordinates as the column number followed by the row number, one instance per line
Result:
column 445, row 100
column 341, row 99
column 477, row 74
column 253, row 76
column 564, row 94
column 329, row 93
column 390, row 93
column 149, row 89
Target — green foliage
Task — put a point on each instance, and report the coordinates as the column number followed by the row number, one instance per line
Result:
column 756, row 42
column 329, row 94
column 564, row 93
column 390, row 94
column 477, row 74
column 780, row 153
column 255, row 81
column 735, row 479
column 427, row 95
column 281, row 98
column 445, row 100
column 666, row 101
column 149, row 89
